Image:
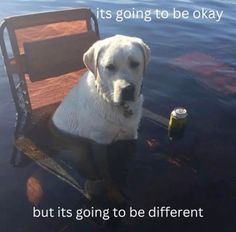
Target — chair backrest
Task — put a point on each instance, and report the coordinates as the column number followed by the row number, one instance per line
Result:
column 46, row 53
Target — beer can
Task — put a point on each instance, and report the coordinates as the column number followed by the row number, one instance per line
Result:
column 177, row 122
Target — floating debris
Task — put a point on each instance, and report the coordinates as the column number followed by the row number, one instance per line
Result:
column 34, row 191
column 211, row 72
column 152, row 144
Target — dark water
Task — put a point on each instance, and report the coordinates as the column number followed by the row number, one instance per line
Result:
column 196, row 171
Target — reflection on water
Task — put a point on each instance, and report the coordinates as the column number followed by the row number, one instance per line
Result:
column 195, row 171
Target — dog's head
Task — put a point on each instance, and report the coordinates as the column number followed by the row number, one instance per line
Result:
column 118, row 64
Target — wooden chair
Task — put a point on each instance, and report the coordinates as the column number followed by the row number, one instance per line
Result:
column 43, row 55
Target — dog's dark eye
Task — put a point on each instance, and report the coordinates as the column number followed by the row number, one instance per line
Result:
column 134, row 64
column 111, row 67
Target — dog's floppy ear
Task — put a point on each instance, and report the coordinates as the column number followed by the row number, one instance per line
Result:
column 91, row 56
column 145, row 49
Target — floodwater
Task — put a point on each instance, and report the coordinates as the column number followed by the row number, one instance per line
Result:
column 193, row 65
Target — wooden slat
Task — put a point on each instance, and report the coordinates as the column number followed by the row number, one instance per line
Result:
column 16, row 22
column 48, row 31
column 57, row 56
column 52, row 90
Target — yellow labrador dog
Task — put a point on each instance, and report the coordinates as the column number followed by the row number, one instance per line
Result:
column 106, row 104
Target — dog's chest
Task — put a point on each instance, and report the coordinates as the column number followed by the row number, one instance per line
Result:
column 107, row 124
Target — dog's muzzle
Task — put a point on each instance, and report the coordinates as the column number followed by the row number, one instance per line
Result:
column 127, row 93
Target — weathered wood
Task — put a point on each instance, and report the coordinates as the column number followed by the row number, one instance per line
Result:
column 48, row 31
column 52, row 90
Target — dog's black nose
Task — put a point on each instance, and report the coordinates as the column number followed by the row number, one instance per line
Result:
column 128, row 93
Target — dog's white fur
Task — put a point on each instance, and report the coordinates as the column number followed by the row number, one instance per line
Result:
column 93, row 109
